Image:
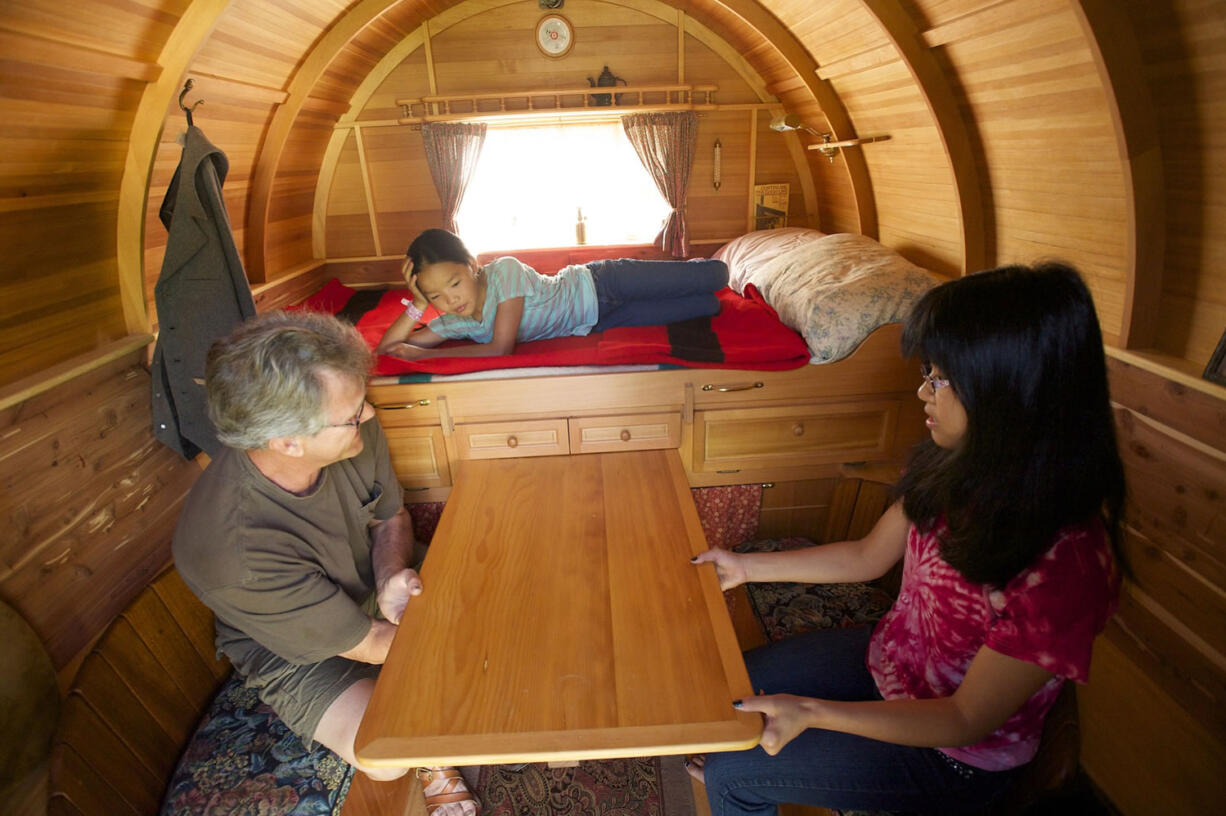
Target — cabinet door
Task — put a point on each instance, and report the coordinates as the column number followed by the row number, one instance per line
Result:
column 753, row 438
column 500, row 440
column 419, row 456
column 628, row 432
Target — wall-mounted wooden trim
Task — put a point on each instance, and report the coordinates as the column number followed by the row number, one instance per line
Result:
column 1118, row 60
column 35, row 50
column 31, row 386
column 367, row 188
column 795, row 54
column 991, row 17
column 234, row 89
column 951, row 126
column 753, row 161
column 863, row 61
column 194, row 27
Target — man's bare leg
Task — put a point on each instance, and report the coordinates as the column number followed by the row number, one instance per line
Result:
column 338, row 728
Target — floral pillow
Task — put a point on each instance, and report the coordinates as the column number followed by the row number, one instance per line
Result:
column 837, row 289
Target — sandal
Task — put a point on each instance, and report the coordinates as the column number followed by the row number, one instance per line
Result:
column 445, row 786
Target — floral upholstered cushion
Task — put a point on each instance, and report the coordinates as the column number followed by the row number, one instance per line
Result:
column 786, row 609
column 244, row 760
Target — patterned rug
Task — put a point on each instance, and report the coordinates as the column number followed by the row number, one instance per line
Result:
column 613, row 787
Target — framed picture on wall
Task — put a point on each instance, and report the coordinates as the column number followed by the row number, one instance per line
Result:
column 1216, row 370
column 770, row 206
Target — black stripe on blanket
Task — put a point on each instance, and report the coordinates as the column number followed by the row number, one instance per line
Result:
column 361, row 302
column 694, row 340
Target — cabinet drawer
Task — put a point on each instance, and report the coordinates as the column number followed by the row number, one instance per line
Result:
column 496, row 440
column 419, row 456
column 628, row 432
column 793, row 436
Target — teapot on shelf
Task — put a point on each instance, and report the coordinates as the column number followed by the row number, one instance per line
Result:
column 605, row 80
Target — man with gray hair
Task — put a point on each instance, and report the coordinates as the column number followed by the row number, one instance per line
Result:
column 296, row 535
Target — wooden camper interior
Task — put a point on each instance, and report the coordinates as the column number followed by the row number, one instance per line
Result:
column 1088, row 130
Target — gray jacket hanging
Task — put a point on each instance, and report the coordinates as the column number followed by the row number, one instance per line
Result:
column 201, row 294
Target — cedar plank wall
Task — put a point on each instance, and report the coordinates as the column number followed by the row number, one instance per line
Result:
column 1019, row 76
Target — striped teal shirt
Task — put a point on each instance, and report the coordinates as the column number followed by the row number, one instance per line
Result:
column 554, row 305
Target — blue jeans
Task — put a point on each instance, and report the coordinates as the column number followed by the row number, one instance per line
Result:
column 829, row 768
column 630, row 292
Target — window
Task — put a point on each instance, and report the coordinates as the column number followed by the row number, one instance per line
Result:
column 531, row 182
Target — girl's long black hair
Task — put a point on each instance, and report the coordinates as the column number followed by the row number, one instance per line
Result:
column 437, row 246
column 1023, row 351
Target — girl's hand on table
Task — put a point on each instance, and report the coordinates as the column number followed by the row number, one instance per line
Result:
column 728, row 566
column 786, row 716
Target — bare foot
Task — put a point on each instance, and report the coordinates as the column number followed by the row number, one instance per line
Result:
column 446, row 793
column 695, row 766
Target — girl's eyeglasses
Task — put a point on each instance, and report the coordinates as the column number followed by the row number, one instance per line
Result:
column 933, row 382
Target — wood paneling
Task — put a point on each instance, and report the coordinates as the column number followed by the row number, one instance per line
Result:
column 89, row 500
column 1167, row 644
column 1181, row 44
column 134, row 703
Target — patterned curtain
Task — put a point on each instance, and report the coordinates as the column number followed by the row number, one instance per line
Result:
column 452, row 149
column 665, row 143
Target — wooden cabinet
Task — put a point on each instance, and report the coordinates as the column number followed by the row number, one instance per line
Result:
column 501, row 440
column 605, row 434
column 793, row 436
column 419, row 456
column 728, row 426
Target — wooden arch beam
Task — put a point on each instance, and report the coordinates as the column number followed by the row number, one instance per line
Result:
column 312, row 69
column 194, row 27
column 465, row 9
column 805, row 67
column 955, row 137
column 1118, row 60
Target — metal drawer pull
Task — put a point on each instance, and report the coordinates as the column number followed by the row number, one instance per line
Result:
column 625, row 435
column 512, row 442
column 400, row 406
column 726, row 388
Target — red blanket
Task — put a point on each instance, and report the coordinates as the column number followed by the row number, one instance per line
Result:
column 745, row 334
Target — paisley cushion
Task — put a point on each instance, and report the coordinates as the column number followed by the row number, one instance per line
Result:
column 786, row 609
column 243, row 760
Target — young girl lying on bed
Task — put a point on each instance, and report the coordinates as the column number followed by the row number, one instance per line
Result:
column 506, row 302
column 1007, row 522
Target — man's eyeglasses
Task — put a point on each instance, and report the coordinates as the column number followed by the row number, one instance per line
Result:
column 933, row 382
column 354, row 423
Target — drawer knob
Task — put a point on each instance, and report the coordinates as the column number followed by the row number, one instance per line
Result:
column 798, row 429
column 625, row 435
column 512, row 442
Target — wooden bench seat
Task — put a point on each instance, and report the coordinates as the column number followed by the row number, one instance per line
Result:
column 136, row 702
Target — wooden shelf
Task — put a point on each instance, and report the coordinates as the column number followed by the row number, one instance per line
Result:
column 573, row 101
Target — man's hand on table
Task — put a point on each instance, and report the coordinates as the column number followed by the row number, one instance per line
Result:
column 395, row 592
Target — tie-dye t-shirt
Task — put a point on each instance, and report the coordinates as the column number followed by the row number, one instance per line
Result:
column 1048, row 615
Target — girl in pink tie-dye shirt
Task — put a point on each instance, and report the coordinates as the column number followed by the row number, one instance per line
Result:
column 1007, row 520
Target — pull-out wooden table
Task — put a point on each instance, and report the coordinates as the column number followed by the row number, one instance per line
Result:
column 562, row 620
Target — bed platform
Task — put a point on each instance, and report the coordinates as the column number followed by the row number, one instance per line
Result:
column 729, row 426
